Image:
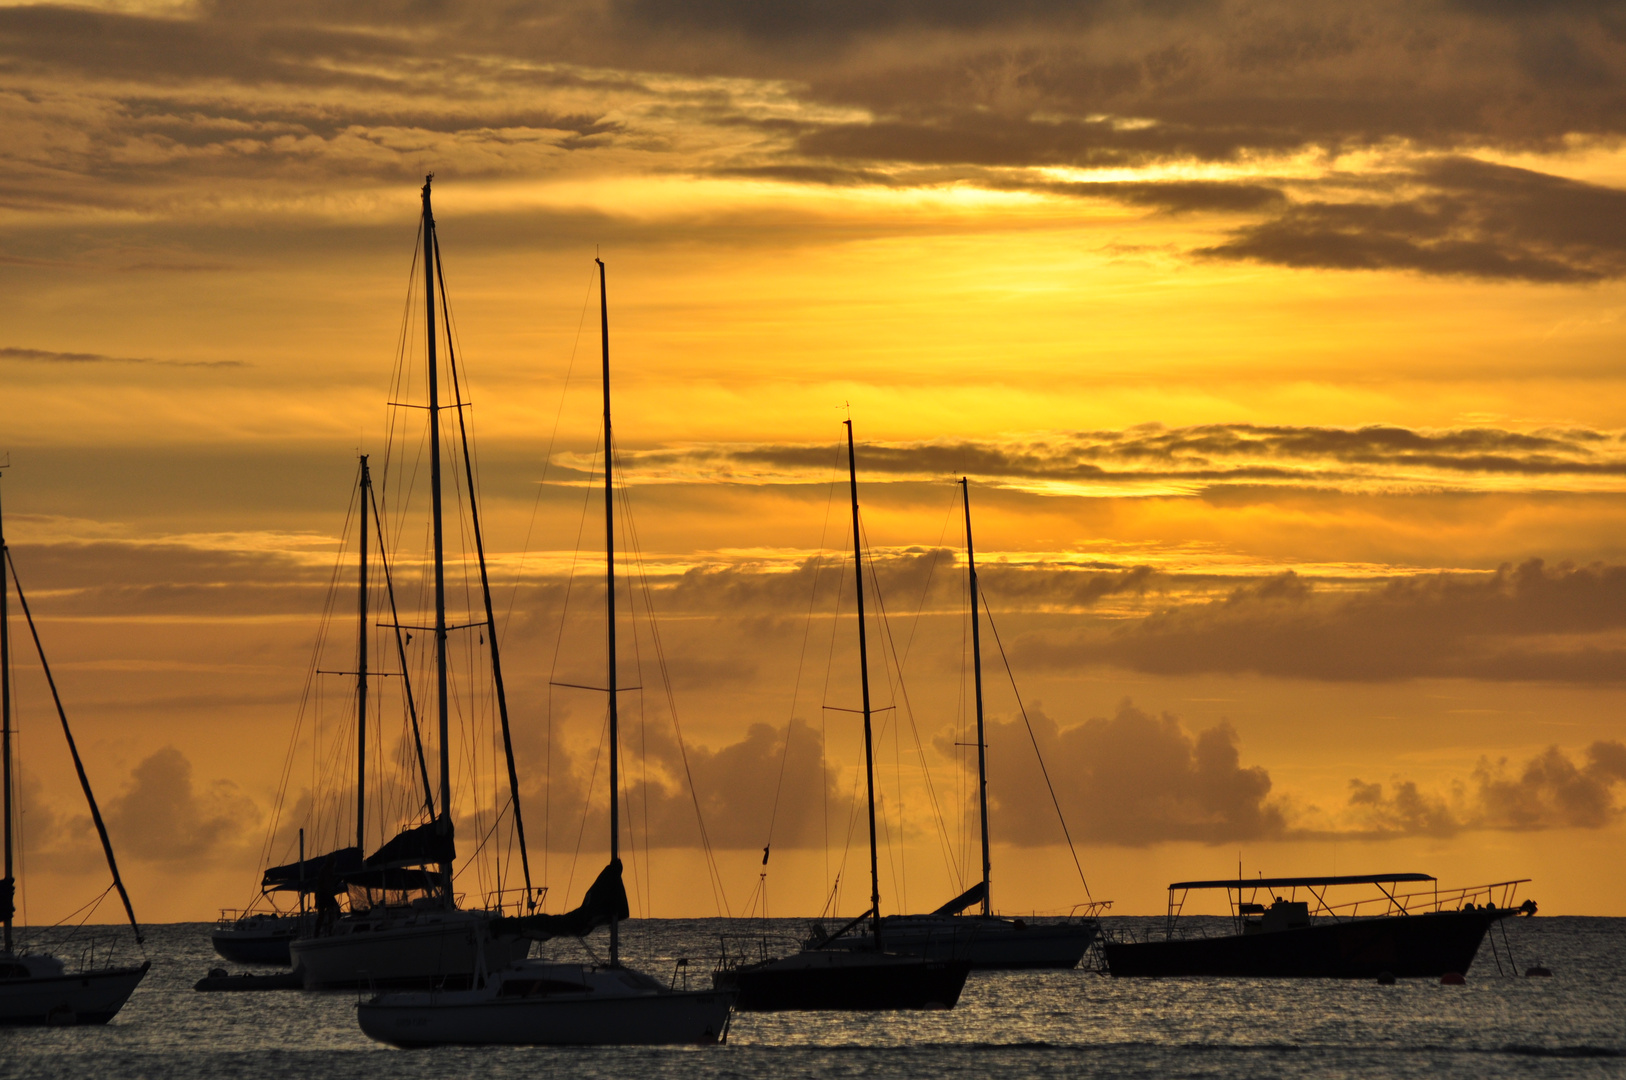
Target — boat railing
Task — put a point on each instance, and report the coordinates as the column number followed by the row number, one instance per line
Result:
column 523, row 901
column 1090, row 909
column 1390, row 901
column 738, row 950
column 1495, row 894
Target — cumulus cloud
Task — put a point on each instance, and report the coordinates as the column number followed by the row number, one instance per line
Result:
column 1549, row 791
column 1133, row 778
column 161, row 816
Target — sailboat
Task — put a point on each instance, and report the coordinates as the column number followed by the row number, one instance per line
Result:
column 994, row 942
column 404, row 926
column 867, row 973
column 36, row 987
column 264, row 935
column 541, row 1002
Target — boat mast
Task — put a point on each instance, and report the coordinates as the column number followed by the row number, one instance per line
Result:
column 863, row 675
column 976, row 667
column 361, row 666
column 8, row 882
column 609, row 600
column 440, row 541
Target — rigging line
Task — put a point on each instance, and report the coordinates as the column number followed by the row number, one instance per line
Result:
column 274, row 823
column 400, row 652
column 587, row 802
column 73, row 749
column 988, row 614
column 801, row 661
column 547, row 459
column 636, row 548
column 925, row 590
column 947, row 846
column 829, row 668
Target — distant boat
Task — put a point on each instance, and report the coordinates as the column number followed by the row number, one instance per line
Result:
column 867, row 973
column 540, row 1002
column 404, row 926
column 994, row 942
column 37, row 988
column 1415, row 935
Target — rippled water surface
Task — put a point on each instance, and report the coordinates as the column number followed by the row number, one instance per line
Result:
column 1007, row 1025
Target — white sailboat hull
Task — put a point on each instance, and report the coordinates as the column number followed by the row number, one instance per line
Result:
column 613, row 1007
column 431, row 948
column 86, row 997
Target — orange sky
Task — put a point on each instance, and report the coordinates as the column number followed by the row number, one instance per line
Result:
column 1280, row 346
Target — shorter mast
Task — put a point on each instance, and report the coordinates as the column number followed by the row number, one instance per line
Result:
column 976, row 666
column 609, row 577
column 863, row 675
column 361, row 666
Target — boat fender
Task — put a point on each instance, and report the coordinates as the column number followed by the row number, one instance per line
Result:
column 1452, row 978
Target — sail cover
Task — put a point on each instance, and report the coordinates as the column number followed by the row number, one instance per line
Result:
column 317, row 872
column 8, row 899
column 421, row 845
column 971, row 896
column 605, row 902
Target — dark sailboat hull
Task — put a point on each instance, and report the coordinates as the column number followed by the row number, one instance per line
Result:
column 1406, row 946
column 845, row 981
column 991, row 943
column 255, row 949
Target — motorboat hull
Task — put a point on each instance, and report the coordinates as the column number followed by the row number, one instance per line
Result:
column 86, row 997
column 835, row 979
column 991, row 943
column 432, row 949
column 657, row 1019
column 1406, row 946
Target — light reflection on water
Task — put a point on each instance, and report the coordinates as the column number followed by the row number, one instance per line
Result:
column 1009, row 1025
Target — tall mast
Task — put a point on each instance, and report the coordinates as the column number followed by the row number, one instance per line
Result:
column 609, row 600
column 976, row 667
column 8, row 882
column 440, row 541
column 863, row 675
column 361, row 666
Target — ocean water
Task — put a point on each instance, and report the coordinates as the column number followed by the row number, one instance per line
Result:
column 1009, row 1025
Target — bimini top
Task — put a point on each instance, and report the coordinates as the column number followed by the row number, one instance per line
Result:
column 1295, row 882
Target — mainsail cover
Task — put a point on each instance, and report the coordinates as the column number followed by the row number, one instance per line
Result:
column 8, row 899
column 971, row 896
column 422, row 845
column 320, row 871
column 605, row 902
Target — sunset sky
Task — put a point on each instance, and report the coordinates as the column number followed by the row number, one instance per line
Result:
column 1281, row 343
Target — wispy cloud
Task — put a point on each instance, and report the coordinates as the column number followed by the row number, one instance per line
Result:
column 49, row 356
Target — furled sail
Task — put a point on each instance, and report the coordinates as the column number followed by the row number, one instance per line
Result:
column 422, row 845
column 8, row 899
column 971, row 896
column 320, row 871
column 605, row 903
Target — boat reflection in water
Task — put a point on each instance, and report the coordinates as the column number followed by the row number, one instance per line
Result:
column 1423, row 934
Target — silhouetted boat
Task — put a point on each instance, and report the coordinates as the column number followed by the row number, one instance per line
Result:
column 404, row 926
column 866, row 973
column 991, row 942
column 540, row 1002
column 1416, row 935
column 37, row 988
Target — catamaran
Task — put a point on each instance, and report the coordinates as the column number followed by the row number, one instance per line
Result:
column 36, row 987
column 542, row 1002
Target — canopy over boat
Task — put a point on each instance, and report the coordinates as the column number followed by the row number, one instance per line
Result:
column 422, row 845
column 1300, row 882
column 319, row 871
